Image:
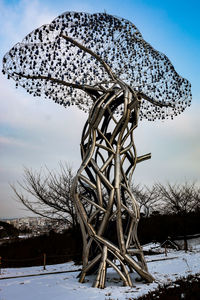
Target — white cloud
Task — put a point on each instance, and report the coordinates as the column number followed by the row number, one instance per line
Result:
column 17, row 20
column 6, row 141
column 175, row 148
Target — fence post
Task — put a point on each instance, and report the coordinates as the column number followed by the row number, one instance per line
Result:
column 44, row 261
column 165, row 250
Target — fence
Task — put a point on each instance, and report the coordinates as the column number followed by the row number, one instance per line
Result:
column 41, row 260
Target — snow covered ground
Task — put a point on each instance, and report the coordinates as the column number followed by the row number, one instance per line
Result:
column 66, row 286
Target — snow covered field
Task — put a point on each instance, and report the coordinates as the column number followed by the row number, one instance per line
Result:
column 66, row 286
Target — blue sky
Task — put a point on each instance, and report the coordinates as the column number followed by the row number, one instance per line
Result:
column 37, row 132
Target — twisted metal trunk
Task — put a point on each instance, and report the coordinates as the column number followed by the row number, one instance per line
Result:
column 101, row 188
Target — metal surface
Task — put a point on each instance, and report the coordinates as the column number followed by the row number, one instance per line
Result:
column 103, row 181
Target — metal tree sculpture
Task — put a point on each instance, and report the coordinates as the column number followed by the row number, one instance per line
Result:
column 102, row 64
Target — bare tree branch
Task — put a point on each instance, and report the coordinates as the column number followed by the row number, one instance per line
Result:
column 49, row 194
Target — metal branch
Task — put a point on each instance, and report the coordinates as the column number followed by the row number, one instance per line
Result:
column 98, row 58
column 85, row 88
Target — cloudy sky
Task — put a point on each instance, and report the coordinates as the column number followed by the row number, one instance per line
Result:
column 36, row 132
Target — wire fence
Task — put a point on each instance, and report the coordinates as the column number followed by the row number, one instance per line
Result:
column 41, row 260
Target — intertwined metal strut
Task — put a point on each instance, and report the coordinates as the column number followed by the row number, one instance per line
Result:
column 108, row 160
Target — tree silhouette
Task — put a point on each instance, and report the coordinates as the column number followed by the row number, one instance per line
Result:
column 101, row 64
column 179, row 199
column 48, row 194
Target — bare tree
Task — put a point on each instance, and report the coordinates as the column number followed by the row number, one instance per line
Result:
column 197, row 208
column 49, row 193
column 147, row 198
column 180, row 199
